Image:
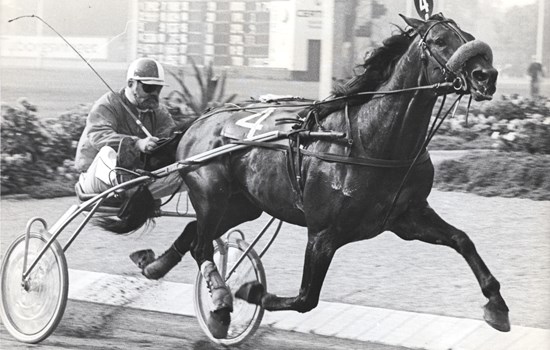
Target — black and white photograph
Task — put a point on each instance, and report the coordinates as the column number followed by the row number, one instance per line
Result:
column 277, row 174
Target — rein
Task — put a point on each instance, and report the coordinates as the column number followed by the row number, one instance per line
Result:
column 422, row 155
column 467, row 50
column 419, row 156
column 331, row 157
column 457, row 83
column 437, row 86
column 448, row 74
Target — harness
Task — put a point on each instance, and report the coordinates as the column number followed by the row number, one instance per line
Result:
column 296, row 148
column 449, row 74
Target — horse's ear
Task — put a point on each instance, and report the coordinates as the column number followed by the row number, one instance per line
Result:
column 412, row 22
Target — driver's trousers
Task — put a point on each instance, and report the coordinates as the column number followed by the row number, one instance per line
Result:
column 101, row 176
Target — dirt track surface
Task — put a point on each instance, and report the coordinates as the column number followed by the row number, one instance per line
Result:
column 95, row 326
column 511, row 235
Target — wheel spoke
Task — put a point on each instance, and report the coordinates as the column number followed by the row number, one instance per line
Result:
column 31, row 310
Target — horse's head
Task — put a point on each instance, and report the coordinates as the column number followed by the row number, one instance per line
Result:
column 453, row 55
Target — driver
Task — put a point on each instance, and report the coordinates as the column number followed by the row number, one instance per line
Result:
column 112, row 137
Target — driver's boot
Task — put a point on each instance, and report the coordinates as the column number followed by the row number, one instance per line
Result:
column 155, row 269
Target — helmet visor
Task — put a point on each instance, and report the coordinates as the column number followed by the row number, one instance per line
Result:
column 151, row 81
column 150, row 88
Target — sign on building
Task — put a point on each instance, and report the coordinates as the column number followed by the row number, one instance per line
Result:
column 234, row 33
column 52, row 47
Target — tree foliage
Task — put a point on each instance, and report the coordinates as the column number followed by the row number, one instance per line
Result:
column 211, row 90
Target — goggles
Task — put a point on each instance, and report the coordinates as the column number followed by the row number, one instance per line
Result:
column 150, row 88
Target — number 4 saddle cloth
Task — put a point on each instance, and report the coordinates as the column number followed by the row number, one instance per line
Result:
column 260, row 118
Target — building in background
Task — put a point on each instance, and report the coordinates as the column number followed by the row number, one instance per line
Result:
column 228, row 33
column 97, row 28
column 248, row 36
column 270, row 34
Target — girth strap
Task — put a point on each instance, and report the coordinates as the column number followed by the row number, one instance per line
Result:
column 295, row 173
column 373, row 162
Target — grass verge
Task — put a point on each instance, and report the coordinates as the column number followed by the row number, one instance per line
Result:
column 504, row 174
column 485, row 173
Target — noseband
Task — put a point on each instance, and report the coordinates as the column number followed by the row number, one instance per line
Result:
column 451, row 68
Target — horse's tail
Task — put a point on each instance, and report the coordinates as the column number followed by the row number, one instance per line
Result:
column 138, row 210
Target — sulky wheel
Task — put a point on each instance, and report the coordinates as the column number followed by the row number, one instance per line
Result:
column 32, row 308
column 245, row 318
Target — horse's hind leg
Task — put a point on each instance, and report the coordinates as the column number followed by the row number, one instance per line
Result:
column 217, row 210
column 156, row 268
column 319, row 253
column 423, row 223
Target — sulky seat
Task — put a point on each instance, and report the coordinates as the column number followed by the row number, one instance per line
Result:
column 111, row 204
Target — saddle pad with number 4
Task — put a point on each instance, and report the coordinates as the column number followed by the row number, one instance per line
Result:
column 246, row 124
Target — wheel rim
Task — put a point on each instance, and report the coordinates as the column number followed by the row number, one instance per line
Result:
column 31, row 312
column 245, row 317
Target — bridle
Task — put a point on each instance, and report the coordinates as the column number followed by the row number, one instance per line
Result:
column 449, row 75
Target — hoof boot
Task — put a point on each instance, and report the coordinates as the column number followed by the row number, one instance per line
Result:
column 161, row 266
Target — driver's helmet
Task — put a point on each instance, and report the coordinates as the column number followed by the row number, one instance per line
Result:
column 147, row 71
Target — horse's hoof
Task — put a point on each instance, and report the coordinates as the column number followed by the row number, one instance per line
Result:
column 496, row 318
column 218, row 323
column 143, row 257
column 251, row 292
column 158, row 268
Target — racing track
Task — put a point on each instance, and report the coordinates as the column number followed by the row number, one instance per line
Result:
column 510, row 234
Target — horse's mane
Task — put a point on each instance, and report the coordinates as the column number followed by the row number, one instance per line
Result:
column 378, row 66
column 377, row 69
column 380, row 63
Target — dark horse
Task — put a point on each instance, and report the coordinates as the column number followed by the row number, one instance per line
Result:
column 341, row 201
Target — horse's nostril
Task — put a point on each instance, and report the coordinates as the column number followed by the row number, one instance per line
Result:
column 480, row 75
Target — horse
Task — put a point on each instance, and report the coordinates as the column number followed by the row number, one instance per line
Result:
column 343, row 191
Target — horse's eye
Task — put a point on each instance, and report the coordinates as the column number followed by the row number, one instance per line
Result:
column 440, row 42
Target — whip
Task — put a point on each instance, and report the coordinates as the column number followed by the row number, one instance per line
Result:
column 136, row 119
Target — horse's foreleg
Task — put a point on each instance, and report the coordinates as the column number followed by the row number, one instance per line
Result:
column 423, row 223
column 319, row 254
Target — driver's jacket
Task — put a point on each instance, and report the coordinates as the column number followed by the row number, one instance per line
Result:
column 109, row 122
